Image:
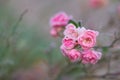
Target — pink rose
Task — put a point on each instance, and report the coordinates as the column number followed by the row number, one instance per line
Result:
column 88, row 39
column 90, row 56
column 64, row 50
column 68, row 43
column 71, row 31
column 59, row 20
column 53, row 32
column 70, row 26
column 74, row 55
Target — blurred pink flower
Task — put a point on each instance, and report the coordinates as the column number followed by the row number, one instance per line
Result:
column 71, row 31
column 98, row 3
column 118, row 10
column 64, row 50
column 68, row 43
column 90, row 56
column 53, row 32
column 74, row 55
column 60, row 19
column 88, row 39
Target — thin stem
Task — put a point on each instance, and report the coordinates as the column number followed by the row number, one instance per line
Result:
column 100, row 76
column 18, row 21
column 110, row 46
column 66, row 68
column 109, row 64
column 49, row 56
column 62, row 72
column 13, row 32
column 85, row 69
column 15, row 27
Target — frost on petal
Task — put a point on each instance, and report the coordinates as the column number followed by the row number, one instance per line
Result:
column 81, row 30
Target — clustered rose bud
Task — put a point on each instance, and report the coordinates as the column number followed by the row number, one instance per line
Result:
column 58, row 22
column 78, row 42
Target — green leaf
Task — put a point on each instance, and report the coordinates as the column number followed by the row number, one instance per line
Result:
column 73, row 22
column 105, row 49
column 79, row 23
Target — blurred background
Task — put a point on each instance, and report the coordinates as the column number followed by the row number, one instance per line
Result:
column 29, row 52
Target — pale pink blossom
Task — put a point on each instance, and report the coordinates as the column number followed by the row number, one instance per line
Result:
column 90, row 56
column 70, row 26
column 68, row 43
column 74, row 55
column 81, row 30
column 98, row 3
column 60, row 19
column 88, row 39
column 71, row 31
column 64, row 50
column 53, row 32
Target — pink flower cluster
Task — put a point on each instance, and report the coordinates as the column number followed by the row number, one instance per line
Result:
column 78, row 44
column 58, row 22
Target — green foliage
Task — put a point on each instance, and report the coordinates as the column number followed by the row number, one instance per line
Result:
column 20, row 49
column 74, row 23
column 105, row 49
column 79, row 24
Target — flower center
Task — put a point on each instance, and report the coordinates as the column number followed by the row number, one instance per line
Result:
column 87, row 40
